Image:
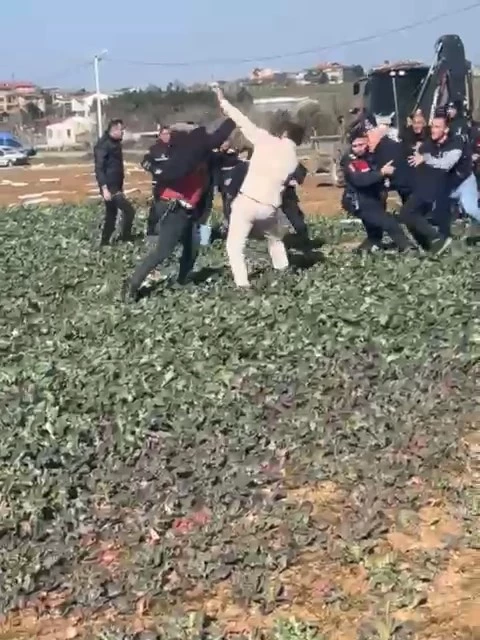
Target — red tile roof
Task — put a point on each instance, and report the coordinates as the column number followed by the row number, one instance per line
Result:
column 16, row 85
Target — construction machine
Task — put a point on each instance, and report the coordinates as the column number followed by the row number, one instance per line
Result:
column 392, row 92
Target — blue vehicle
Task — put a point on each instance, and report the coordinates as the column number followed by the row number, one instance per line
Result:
column 7, row 139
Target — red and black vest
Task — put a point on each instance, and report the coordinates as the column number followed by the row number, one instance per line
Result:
column 190, row 188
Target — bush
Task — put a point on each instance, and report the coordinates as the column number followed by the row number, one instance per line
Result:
column 172, row 445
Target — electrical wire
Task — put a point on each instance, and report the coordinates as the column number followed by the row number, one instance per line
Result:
column 315, row 50
column 67, row 71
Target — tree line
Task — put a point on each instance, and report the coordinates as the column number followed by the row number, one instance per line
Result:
column 145, row 110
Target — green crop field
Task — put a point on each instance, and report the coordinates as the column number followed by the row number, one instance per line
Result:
column 293, row 463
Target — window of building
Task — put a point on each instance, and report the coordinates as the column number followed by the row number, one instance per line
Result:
column 69, row 133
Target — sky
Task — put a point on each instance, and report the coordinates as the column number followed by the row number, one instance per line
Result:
column 53, row 42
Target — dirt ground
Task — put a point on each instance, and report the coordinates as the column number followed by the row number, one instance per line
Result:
column 76, row 183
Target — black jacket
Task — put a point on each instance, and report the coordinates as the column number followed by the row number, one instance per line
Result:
column 459, row 127
column 157, row 154
column 437, row 175
column 236, row 178
column 411, row 139
column 194, row 149
column 223, row 164
column 447, row 165
column 109, row 170
column 299, row 175
column 404, row 179
column 363, row 181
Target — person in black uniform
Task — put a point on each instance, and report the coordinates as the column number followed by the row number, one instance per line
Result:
column 363, row 196
column 416, row 133
column 418, row 195
column 291, row 205
column 158, row 153
column 225, row 159
column 110, row 175
column 457, row 121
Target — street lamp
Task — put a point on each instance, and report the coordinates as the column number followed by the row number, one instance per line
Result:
column 97, row 58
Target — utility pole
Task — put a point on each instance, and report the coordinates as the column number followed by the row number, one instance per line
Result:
column 98, row 58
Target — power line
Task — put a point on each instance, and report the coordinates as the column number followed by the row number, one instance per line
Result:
column 67, row 71
column 279, row 56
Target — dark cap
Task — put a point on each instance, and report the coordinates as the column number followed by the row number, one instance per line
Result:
column 369, row 122
column 358, row 131
column 455, row 104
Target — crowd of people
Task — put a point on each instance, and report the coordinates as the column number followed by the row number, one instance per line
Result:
column 431, row 168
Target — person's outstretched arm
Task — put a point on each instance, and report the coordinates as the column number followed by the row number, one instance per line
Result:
column 247, row 127
column 223, row 132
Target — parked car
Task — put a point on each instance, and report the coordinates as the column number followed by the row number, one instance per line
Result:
column 10, row 141
column 13, row 157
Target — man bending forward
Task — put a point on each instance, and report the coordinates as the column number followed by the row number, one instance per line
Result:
column 259, row 200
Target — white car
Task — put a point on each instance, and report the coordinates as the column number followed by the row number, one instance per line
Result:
column 10, row 157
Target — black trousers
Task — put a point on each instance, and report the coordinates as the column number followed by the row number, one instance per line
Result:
column 226, row 206
column 176, row 226
column 443, row 215
column 413, row 215
column 118, row 202
column 155, row 214
column 296, row 217
column 376, row 221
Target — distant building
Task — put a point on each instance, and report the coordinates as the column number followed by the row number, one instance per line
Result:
column 78, row 103
column 259, row 75
column 70, row 132
column 333, row 70
column 301, row 78
column 15, row 97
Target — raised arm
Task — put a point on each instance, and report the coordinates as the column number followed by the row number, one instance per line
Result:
column 222, row 133
column 247, row 127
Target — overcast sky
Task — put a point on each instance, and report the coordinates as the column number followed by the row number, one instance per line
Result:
column 53, row 42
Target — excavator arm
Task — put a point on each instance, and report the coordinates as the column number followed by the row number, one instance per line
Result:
column 449, row 78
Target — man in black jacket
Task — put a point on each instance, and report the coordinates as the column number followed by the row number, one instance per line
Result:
column 110, row 175
column 416, row 133
column 183, row 179
column 457, row 122
column 224, row 161
column 418, row 195
column 364, row 195
column 291, row 205
column 157, row 154
column 434, row 164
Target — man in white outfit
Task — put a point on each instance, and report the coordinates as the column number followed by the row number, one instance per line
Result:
column 257, row 206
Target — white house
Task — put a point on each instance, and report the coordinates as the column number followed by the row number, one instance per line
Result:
column 78, row 104
column 81, row 105
column 283, row 103
column 70, row 132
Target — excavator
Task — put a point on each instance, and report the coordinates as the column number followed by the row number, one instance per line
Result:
column 393, row 92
